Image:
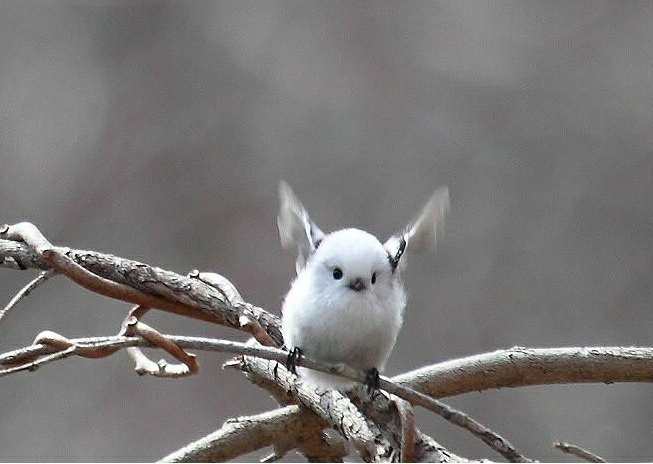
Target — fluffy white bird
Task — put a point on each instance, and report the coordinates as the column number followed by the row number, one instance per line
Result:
column 347, row 303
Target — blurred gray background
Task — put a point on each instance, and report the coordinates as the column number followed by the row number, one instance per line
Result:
column 158, row 131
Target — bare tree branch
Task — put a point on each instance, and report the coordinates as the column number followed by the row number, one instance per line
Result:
column 282, row 428
column 135, row 282
column 332, row 406
column 408, row 429
column 213, row 298
column 641, row 357
column 456, row 417
column 144, row 365
column 520, row 367
column 26, row 290
column 380, row 408
column 570, row 365
column 577, row 451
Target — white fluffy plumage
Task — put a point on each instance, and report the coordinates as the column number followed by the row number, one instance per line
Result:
column 347, row 303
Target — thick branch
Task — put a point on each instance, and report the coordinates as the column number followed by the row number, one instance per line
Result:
column 520, row 367
column 282, row 428
column 332, row 406
column 339, row 414
column 186, row 295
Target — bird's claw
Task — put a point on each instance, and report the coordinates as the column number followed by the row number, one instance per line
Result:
column 372, row 380
column 293, row 359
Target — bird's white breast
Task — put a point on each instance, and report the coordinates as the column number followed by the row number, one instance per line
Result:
column 355, row 328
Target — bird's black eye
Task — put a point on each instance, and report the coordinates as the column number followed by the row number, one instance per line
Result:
column 337, row 273
column 373, row 280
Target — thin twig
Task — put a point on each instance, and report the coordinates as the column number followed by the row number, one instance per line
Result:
column 272, row 457
column 456, row 417
column 188, row 365
column 34, row 365
column 577, row 451
column 59, row 342
column 252, row 326
column 26, row 290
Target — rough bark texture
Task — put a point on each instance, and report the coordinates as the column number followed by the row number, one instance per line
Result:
column 518, row 367
column 219, row 306
column 282, row 428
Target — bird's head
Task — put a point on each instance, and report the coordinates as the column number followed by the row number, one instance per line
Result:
column 351, row 260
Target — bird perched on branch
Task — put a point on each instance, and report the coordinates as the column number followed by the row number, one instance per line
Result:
column 347, row 303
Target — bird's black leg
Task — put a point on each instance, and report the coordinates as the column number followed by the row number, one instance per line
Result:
column 293, row 357
column 372, row 380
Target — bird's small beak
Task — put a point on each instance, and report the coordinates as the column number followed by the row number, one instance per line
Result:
column 357, row 285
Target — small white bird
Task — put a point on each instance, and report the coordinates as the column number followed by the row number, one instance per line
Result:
column 347, row 303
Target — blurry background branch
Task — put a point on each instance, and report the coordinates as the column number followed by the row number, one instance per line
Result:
column 578, row 452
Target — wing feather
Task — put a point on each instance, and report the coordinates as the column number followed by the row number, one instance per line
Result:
column 421, row 232
column 296, row 226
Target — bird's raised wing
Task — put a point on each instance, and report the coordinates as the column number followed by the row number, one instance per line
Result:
column 296, row 227
column 422, row 231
